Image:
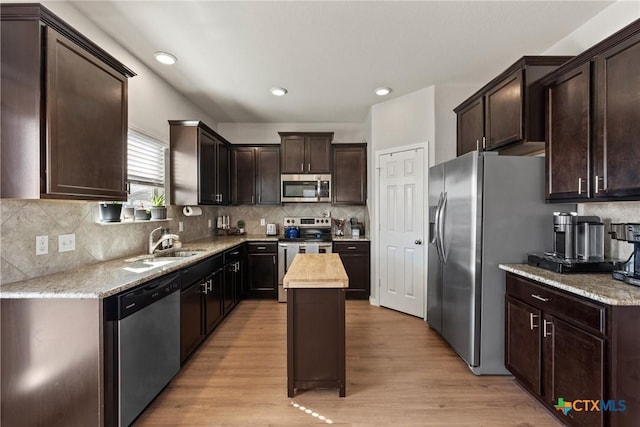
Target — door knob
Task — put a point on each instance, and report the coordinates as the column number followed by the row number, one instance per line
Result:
column 418, row 242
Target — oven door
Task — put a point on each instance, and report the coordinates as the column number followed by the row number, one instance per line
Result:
column 286, row 254
column 305, row 188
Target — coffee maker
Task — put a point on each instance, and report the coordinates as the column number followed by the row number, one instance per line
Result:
column 630, row 272
column 578, row 246
column 578, row 237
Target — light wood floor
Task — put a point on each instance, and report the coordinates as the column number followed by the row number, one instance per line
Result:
column 399, row 373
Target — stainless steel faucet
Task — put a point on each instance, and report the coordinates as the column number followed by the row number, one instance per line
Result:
column 154, row 245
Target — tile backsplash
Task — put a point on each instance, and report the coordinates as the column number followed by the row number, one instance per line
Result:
column 251, row 215
column 612, row 213
column 23, row 220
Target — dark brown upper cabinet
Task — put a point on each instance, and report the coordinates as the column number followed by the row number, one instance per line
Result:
column 593, row 122
column 507, row 114
column 305, row 152
column 349, row 177
column 568, row 134
column 256, row 175
column 200, row 160
column 64, row 111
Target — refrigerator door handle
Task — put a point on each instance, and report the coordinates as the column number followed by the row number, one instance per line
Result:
column 436, row 237
column 441, row 227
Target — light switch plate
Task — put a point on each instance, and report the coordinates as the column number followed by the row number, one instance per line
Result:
column 263, row 222
column 209, row 223
column 66, row 242
column 42, row 245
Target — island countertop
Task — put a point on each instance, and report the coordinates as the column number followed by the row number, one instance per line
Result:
column 316, row 271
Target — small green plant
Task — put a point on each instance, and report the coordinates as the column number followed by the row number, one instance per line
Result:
column 241, row 224
column 157, row 199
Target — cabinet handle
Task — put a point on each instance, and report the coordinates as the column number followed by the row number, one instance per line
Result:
column 234, row 253
column 579, row 185
column 204, row 285
column 274, row 260
column 252, row 200
column 532, row 317
column 308, row 167
column 477, row 145
column 301, row 167
column 545, row 332
column 484, row 143
column 351, row 248
column 261, row 248
column 598, row 178
column 210, row 285
column 540, row 298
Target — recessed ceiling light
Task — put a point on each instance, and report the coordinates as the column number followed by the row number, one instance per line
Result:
column 165, row 58
column 278, row 91
column 382, row 91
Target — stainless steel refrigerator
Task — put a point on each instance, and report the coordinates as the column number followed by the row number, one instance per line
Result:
column 484, row 210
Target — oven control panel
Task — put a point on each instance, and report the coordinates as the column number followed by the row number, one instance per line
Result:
column 308, row 222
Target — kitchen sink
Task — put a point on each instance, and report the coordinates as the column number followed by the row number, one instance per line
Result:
column 168, row 256
column 142, row 263
column 180, row 254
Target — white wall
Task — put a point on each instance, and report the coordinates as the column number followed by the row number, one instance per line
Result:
column 267, row 133
column 152, row 101
column 601, row 26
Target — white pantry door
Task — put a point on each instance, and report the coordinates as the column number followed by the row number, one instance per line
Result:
column 401, row 213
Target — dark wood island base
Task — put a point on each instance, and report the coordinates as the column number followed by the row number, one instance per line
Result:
column 316, row 284
column 315, row 340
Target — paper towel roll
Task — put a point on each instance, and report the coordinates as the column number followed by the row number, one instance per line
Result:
column 191, row 211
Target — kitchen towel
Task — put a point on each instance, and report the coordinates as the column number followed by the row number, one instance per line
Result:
column 191, row 211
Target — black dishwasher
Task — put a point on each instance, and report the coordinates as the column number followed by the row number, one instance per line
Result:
column 142, row 347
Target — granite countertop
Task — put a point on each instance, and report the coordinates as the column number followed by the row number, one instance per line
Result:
column 350, row 239
column 110, row 277
column 316, row 271
column 596, row 286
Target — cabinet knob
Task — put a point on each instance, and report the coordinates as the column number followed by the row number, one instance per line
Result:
column 418, row 242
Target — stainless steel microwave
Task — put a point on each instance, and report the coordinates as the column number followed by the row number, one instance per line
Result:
column 305, row 188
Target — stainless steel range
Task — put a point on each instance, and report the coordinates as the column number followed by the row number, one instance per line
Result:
column 313, row 235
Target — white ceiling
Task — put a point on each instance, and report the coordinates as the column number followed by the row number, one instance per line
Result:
column 330, row 55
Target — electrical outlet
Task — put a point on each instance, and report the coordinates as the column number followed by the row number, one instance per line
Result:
column 66, row 242
column 263, row 222
column 209, row 223
column 180, row 226
column 42, row 245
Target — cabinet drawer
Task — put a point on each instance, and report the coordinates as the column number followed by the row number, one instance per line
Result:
column 351, row 247
column 258, row 247
column 233, row 254
column 579, row 311
column 199, row 271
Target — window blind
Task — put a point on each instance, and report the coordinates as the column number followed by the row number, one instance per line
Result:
column 146, row 159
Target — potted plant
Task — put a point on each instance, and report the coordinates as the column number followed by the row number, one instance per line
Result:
column 158, row 209
column 110, row 211
column 240, row 227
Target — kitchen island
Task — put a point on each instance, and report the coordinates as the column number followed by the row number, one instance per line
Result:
column 315, row 323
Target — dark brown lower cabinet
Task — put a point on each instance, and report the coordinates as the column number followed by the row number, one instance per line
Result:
column 356, row 258
column 562, row 347
column 200, row 303
column 262, row 270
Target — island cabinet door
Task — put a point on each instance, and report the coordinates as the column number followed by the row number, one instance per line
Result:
column 522, row 349
column 574, row 370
